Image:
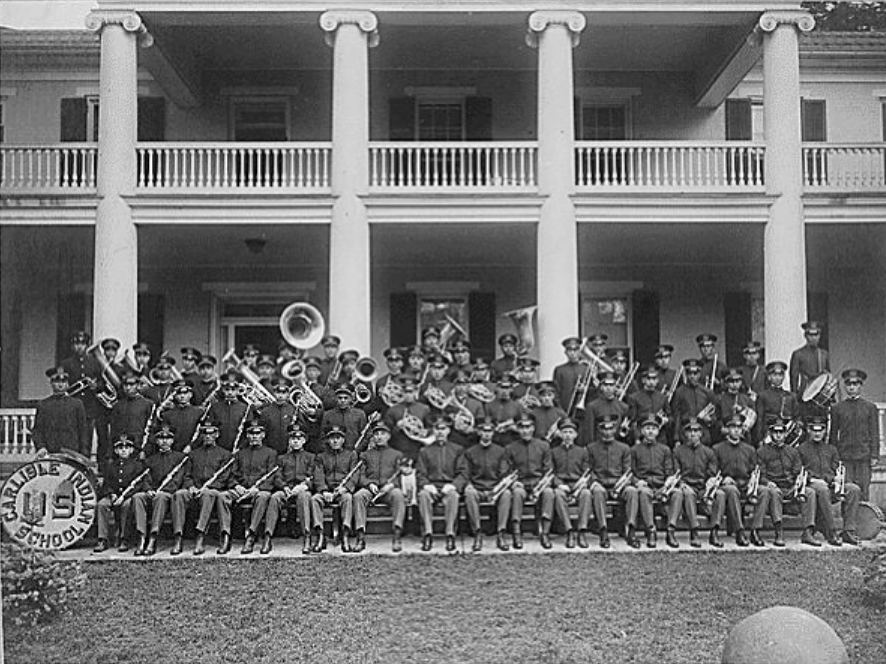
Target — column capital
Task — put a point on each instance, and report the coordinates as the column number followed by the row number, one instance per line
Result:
column 130, row 21
column 540, row 20
column 769, row 21
column 365, row 20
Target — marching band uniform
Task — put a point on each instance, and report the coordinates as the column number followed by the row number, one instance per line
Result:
column 293, row 484
column 504, row 409
column 649, row 401
column 567, row 375
column 461, row 359
column 547, row 415
column 112, row 388
column 82, row 365
column 706, row 348
column 753, row 374
column 206, row 460
column 440, row 476
column 507, row 362
column 697, row 464
column 182, row 417
column 652, row 464
column 810, row 361
column 229, row 412
column 394, row 360
column 610, row 460
column 436, row 380
column 736, row 461
column 116, row 475
column 775, row 402
column 691, row 398
column 571, row 463
column 207, row 384
column 485, row 465
column 463, row 403
column 60, row 420
column 190, row 358
column 161, row 391
column 131, row 413
column 604, row 406
column 330, row 344
column 278, row 416
column 531, row 458
column 731, row 401
column 253, row 463
column 854, row 431
column 381, row 466
column 345, row 416
column 399, row 440
column 330, row 468
column 663, row 365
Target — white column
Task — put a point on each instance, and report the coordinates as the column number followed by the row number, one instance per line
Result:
column 555, row 34
column 350, row 33
column 115, row 306
column 784, row 240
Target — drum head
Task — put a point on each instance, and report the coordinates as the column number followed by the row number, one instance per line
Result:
column 815, row 387
column 870, row 520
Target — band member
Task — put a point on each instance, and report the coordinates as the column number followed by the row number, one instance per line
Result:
column 266, row 369
column 408, row 410
column 394, row 360
column 666, row 375
column 416, row 366
column 60, row 420
column 854, row 431
column 345, row 415
column 618, row 360
column 507, row 361
column 526, row 376
column 206, row 387
column 485, row 465
column 697, row 464
column 736, row 461
column 347, row 366
column 165, row 487
column 779, row 466
column 752, row 372
column 465, row 411
column 505, row 410
column 436, row 382
column 822, row 462
column 142, row 353
column 111, row 387
column 547, row 415
column 278, row 416
column 182, row 416
column 379, row 481
column 250, row 355
column 605, row 405
column 610, row 462
column 254, row 478
column 287, row 353
column 132, row 412
column 81, row 365
column 430, row 341
column 293, row 484
column 809, row 361
column 331, row 468
column 313, row 372
column 567, row 375
column 190, row 357
column 652, row 464
column 461, row 358
column 117, row 476
column 531, row 458
column 694, row 400
column 647, row 401
column 440, row 478
column 707, row 348
column 230, row 412
column 160, row 392
column 571, row 482
column 330, row 344
column 731, row 401
column 211, row 471
column 775, row 402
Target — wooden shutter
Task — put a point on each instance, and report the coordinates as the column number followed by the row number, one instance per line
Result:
column 739, row 126
column 817, row 306
column 739, row 326
column 481, row 313
column 151, row 314
column 814, row 120
column 73, row 120
column 401, row 119
column 478, row 119
column 404, row 319
column 646, row 325
column 151, row 119
column 71, row 318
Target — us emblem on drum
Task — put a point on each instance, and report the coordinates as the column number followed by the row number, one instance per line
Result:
column 48, row 504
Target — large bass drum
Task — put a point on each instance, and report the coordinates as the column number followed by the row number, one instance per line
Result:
column 870, row 520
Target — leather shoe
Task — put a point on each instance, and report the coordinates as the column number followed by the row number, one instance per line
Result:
column 714, row 538
column 582, row 540
column 545, row 541
column 427, row 542
column 779, row 536
column 755, row 538
column 651, row 538
column 199, row 549
column 360, row 545
column 808, row 537
column 266, row 545
column 249, row 545
column 318, row 540
column 177, row 546
column 604, row 539
column 306, row 547
column 517, row 537
column 100, row 546
column 671, row 539
column 740, row 538
column 152, row 546
column 851, row 538
column 142, row 547
column 631, row 538
column 123, row 545
column 478, row 542
column 834, row 540
column 396, row 544
column 694, row 541
column 570, row 539
column 225, row 544
column 502, row 541
column 450, row 543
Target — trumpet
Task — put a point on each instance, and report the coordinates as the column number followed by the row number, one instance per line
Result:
column 580, row 485
column 672, row 484
column 798, row 493
column 753, row 490
column 625, row 384
column 712, row 485
column 707, row 413
column 543, row 484
column 503, row 485
column 552, row 431
column 840, row 482
column 80, row 386
column 621, row 483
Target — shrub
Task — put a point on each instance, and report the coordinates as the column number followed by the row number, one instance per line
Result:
column 36, row 586
column 875, row 577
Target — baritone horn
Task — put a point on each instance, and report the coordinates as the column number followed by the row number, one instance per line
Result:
column 302, row 325
column 524, row 320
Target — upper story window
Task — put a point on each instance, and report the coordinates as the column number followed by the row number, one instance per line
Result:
column 813, row 115
column 604, row 122
column 79, row 118
column 263, row 119
column 450, row 114
column 440, row 121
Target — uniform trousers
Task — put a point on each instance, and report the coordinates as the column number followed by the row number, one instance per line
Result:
column 473, row 497
column 732, row 500
column 426, row 510
column 259, row 508
column 105, row 510
column 301, row 498
column 646, row 497
column 159, row 506
column 821, row 501
column 544, row 506
column 772, row 501
column 393, row 499
column 859, row 473
column 628, row 497
column 690, row 507
column 562, row 498
column 345, row 503
column 222, row 501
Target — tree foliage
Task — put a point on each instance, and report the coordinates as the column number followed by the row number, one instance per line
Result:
column 851, row 16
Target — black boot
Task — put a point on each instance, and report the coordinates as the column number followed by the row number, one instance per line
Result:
column 545, row 539
column 249, row 544
column 851, row 538
column 714, row 538
column 478, row 542
column 740, row 538
column 199, row 549
column 631, row 538
column 502, row 541
column 397, row 543
column 651, row 538
column 779, row 535
column 176, row 546
column 427, row 542
column 346, row 540
column 517, row 535
column 100, row 546
column 152, row 545
column 225, row 544
column 361, row 542
column 604, row 538
column 307, row 543
column 834, row 539
column 318, row 540
column 671, row 538
column 755, row 538
column 808, row 537
column 266, row 545
column 450, row 543
column 142, row 547
column 694, row 541
column 582, row 540
column 122, row 544
column 570, row 539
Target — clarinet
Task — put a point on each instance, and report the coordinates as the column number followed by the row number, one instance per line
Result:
column 171, row 474
column 129, row 490
column 258, row 483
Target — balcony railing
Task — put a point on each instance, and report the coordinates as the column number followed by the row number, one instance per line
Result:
column 219, row 166
column 844, row 166
column 65, row 168
column 450, row 165
column 669, row 166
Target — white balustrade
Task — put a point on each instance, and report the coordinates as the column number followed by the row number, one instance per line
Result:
column 265, row 166
column 669, row 165
column 16, row 425
column 65, row 167
column 844, row 166
column 451, row 165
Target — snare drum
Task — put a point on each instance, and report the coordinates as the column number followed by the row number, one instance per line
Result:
column 821, row 391
column 870, row 520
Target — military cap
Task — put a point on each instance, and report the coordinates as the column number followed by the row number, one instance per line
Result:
column 853, row 374
column 437, row 360
column 266, row 361
column 344, row 388
column 80, row 337
column 571, row 342
column 165, row 431
column 190, row 351
column 334, row 432
column 733, row 375
column 312, row 362
column 649, row 372
column 407, row 380
column 691, row 363
column 414, row 351
column 546, row 387
column 505, row 380
column 692, row 423
column 816, row 423
column 607, row 421
column 618, row 354
column 596, row 339
column 381, row 426
column 567, row 423
column 57, row 373
column 294, row 429
column 752, row 347
column 392, row 354
column 251, row 349
column 130, row 377
column 441, row 421
column 486, row 424
column 811, row 326
column 525, row 418
column 526, row 362
column 706, row 338
column 461, row 377
column 349, row 355
column 481, row 364
column 776, row 366
column 507, row 338
column 778, row 424
column 651, row 420
column 164, row 362
column 230, row 377
column 430, row 332
column 181, row 385
column 664, row 350
column 209, row 426
column 141, row 347
column 607, row 377
column 207, row 360
column 734, row 420
column 283, row 345
column 280, row 382
column 330, row 340
column 460, row 345
column 123, row 440
column 110, row 342
column 255, row 426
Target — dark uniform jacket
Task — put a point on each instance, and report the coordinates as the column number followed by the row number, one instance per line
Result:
column 642, row 403
column 118, row 473
column 161, row 465
column 609, row 461
column 652, row 463
column 229, row 415
column 570, row 463
column 595, row 411
column 501, row 366
column 753, row 378
column 854, row 430
column 531, row 459
column 379, row 466
column 820, row 459
column 806, row 365
column 780, row 465
column 774, row 402
column 295, row 467
column 707, row 366
column 159, row 393
column 351, row 421
column 727, row 405
column 736, row 461
column 205, row 461
column 185, row 420
column 130, row 416
column 399, row 440
column 545, row 419
column 696, row 464
column 276, row 418
column 85, row 366
column 566, row 377
column 688, row 402
column 330, row 468
column 60, row 421
column 440, row 464
column 202, row 390
column 485, row 466
column 253, row 463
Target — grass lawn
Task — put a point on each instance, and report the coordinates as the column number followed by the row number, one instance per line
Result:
column 655, row 607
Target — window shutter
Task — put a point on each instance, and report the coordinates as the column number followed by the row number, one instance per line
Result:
column 151, row 119
column 814, row 120
column 73, row 120
column 481, row 313
column 151, row 314
column 646, row 325
column 576, row 114
column 401, row 119
column 739, row 326
column 738, row 120
column 404, row 319
column 478, row 118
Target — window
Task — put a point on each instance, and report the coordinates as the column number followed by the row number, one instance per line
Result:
column 610, row 316
column 604, row 122
column 260, row 119
column 814, row 120
column 440, row 121
column 436, row 311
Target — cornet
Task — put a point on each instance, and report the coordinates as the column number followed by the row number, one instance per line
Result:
column 81, row 385
column 503, row 485
column 622, row 483
column 712, row 485
column 543, row 484
column 672, row 484
column 707, row 413
column 753, row 490
column 798, row 493
column 840, row 482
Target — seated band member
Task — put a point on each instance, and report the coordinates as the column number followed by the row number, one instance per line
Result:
column 736, row 461
column 380, row 482
column 254, row 479
column 531, row 458
column 211, row 468
column 117, row 478
column 822, row 461
column 652, row 464
column 486, row 465
column 572, row 476
column 698, row 466
column 610, row 477
column 334, row 483
column 440, row 477
column 293, row 484
column 165, row 487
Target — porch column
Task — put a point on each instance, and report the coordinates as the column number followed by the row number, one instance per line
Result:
column 115, row 305
column 784, row 240
column 351, row 34
column 555, row 34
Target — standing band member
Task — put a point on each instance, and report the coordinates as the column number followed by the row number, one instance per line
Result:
column 60, row 420
column 82, row 365
column 854, row 431
column 809, row 361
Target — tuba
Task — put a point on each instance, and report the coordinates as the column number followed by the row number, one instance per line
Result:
column 301, row 325
column 365, row 371
column 523, row 320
